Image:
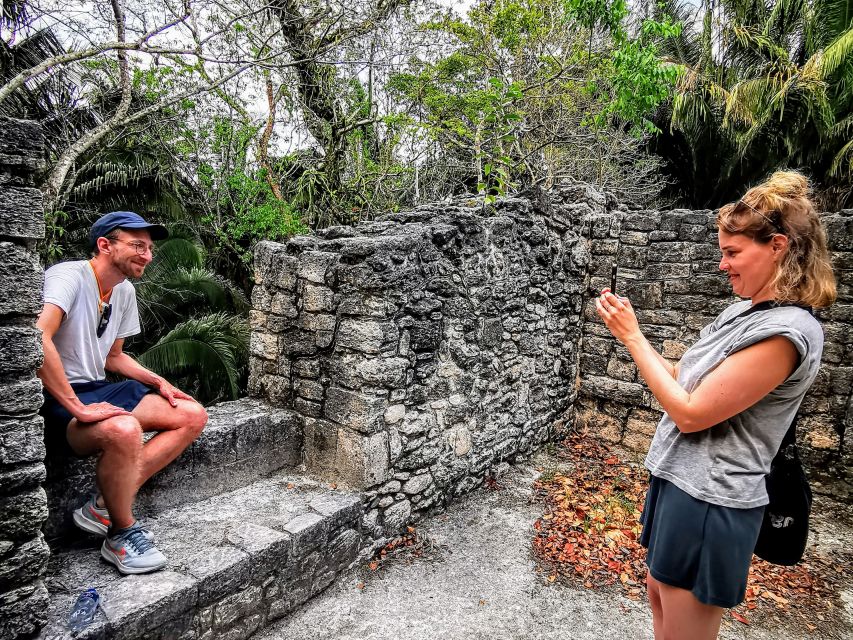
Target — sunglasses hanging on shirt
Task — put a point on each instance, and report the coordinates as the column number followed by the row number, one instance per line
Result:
column 106, row 312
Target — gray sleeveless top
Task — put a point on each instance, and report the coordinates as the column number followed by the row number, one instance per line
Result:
column 726, row 464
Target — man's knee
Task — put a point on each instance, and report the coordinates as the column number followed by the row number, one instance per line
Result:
column 122, row 432
column 192, row 417
column 197, row 418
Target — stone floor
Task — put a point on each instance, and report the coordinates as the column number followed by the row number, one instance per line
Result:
column 236, row 560
column 479, row 581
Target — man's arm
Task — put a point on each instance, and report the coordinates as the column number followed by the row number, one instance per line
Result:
column 119, row 362
column 53, row 375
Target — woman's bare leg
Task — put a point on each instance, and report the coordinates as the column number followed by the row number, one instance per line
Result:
column 684, row 617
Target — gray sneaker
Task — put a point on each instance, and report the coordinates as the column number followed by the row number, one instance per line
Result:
column 94, row 519
column 131, row 551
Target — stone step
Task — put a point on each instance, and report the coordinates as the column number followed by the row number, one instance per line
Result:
column 243, row 441
column 237, row 561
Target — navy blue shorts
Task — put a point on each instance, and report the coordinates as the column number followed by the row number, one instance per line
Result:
column 698, row 546
column 126, row 394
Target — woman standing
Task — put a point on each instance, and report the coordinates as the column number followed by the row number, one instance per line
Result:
column 728, row 404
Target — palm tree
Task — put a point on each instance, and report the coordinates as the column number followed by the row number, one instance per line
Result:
column 196, row 332
column 763, row 86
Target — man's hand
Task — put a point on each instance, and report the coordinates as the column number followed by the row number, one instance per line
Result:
column 98, row 411
column 171, row 392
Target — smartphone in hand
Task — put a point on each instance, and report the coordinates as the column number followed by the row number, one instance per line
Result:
column 613, row 278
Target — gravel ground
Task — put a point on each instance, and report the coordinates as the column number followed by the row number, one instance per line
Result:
column 478, row 579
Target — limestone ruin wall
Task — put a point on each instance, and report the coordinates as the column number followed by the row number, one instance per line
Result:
column 23, row 503
column 425, row 349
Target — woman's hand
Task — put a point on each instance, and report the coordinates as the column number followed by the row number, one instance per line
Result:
column 618, row 316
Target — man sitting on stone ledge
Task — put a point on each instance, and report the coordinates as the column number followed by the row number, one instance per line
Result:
column 89, row 309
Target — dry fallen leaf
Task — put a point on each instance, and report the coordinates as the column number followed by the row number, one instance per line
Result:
column 738, row 617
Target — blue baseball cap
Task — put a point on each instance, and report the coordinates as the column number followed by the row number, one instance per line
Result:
column 124, row 220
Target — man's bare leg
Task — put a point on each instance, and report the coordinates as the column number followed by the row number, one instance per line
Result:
column 119, row 440
column 178, row 426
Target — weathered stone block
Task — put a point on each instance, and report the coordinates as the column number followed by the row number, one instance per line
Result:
column 307, row 531
column 21, row 397
column 673, row 349
column 418, row 484
column 356, row 371
column 394, row 413
column 357, row 411
column 643, row 422
column 21, row 440
column 365, row 306
column 284, row 304
column 264, row 345
column 341, row 509
column 23, row 564
column 396, row 517
column 22, row 515
column 21, row 277
column 362, row 460
column 20, row 350
column 343, row 549
column 321, row 445
column 236, row 606
column 606, row 427
column 220, row 570
column 317, row 298
column 669, row 251
column 314, row 265
column 367, row 336
column 23, row 611
column 22, row 478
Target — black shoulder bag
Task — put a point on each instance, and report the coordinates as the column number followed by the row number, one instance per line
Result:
column 785, row 528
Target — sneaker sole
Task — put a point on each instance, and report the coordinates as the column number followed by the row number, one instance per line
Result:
column 90, row 526
column 110, row 557
column 87, row 525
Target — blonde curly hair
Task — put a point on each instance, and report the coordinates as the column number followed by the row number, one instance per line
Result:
column 782, row 205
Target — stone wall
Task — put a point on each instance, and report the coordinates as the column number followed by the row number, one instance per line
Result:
column 669, row 268
column 425, row 349
column 23, row 505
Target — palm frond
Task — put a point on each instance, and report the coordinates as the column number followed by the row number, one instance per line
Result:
column 838, row 53
column 831, row 18
column 211, row 351
column 843, row 160
column 784, row 18
column 14, row 12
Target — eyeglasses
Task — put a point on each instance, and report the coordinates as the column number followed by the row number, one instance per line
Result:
column 140, row 247
column 106, row 312
column 775, row 213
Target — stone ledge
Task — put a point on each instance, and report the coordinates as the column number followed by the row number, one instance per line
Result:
column 243, row 441
column 234, row 564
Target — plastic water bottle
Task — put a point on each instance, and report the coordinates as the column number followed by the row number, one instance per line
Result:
column 84, row 611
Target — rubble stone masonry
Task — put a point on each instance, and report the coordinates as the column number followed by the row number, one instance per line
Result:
column 23, row 504
column 426, row 349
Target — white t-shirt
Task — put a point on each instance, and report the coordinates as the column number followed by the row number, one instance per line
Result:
column 73, row 288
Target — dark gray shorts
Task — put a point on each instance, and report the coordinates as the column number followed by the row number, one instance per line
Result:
column 698, row 546
column 126, row 394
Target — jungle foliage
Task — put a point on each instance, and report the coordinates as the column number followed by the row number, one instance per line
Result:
column 234, row 122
